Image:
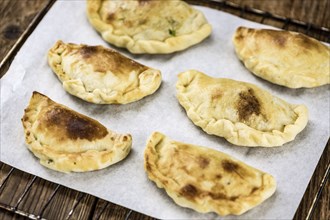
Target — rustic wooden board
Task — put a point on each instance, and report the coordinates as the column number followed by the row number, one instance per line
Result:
column 15, row 17
column 321, row 207
column 310, row 11
column 18, row 19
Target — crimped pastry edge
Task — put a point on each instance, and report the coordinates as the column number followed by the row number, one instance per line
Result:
column 71, row 162
column 76, row 86
column 239, row 133
column 150, row 156
column 170, row 45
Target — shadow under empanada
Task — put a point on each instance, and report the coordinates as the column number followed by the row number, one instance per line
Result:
column 115, row 110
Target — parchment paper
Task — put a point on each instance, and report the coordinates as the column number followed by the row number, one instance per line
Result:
column 126, row 183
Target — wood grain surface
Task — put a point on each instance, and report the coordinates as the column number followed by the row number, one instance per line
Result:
column 24, row 193
column 314, row 12
column 15, row 17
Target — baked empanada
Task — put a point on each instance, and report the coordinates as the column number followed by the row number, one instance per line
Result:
column 144, row 26
column 242, row 113
column 65, row 140
column 203, row 179
column 101, row 75
column 282, row 57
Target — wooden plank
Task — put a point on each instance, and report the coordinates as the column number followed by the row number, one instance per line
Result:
column 321, row 210
column 64, row 202
column 17, row 14
column 139, row 216
column 248, row 7
column 84, row 208
column 10, row 215
column 4, row 171
column 15, row 17
column 36, row 197
column 310, row 11
column 18, row 19
column 14, row 188
column 109, row 211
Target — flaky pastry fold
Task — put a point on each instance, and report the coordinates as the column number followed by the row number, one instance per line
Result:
column 155, row 27
column 283, row 57
column 65, row 140
column 203, row 179
column 101, row 75
column 241, row 112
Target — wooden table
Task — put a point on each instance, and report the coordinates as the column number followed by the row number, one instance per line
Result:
column 22, row 193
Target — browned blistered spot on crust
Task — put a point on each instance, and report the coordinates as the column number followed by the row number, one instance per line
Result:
column 148, row 167
column 128, row 23
column 308, row 43
column 25, row 118
column 203, row 162
column 110, row 17
column 249, row 31
column 280, row 40
column 239, row 36
column 247, row 105
column 221, row 196
column 217, row 196
column 88, row 51
column 233, row 198
column 74, row 125
column 142, row 21
column 284, row 38
column 229, row 166
column 184, row 168
column 216, row 94
column 276, row 38
column 189, row 191
column 104, row 60
column 218, row 176
column 254, row 189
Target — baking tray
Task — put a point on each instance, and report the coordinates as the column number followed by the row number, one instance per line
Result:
column 264, row 17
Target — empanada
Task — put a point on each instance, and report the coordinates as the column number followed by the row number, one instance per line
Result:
column 101, row 75
column 282, row 57
column 203, row 179
column 65, row 140
column 144, row 26
column 242, row 113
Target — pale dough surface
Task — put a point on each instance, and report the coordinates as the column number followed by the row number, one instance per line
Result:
column 282, row 57
column 203, row 179
column 155, row 27
column 65, row 140
column 101, row 75
column 242, row 113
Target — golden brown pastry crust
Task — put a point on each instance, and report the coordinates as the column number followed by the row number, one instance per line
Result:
column 242, row 113
column 282, row 57
column 101, row 75
column 203, row 179
column 65, row 140
column 155, row 27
